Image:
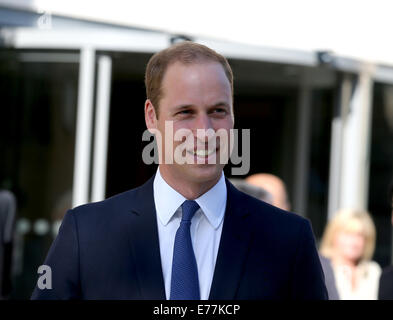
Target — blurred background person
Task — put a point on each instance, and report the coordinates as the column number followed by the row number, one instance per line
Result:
column 386, row 280
column 279, row 188
column 349, row 242
column 251, row 190
column 274, row 185
column 7, row 227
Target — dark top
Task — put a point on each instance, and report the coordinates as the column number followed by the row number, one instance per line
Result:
column 110, row 250
column 330, row 280
column 386, row 284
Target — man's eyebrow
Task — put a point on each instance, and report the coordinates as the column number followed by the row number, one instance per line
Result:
column 185, row 106
column 220, row 103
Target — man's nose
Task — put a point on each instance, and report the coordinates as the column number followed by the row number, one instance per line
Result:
column 203, row 122
column 203, row 128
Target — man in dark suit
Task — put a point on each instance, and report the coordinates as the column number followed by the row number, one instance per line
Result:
column 187, row 233
column 386, row 281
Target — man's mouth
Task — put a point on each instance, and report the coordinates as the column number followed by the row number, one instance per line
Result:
column 203, row 153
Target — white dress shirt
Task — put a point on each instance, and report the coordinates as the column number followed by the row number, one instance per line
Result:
column 206, row 228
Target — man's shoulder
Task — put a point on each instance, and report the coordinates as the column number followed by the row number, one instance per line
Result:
column 265, row 214
column 273, row 229
column 117, row 204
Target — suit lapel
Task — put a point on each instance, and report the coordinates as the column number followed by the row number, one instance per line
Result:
column 233, row 249
column 144, row 242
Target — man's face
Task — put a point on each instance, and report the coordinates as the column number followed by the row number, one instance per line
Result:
column 196, row 96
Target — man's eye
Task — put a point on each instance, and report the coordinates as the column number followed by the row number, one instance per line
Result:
column 219, row 110
column 184, row 112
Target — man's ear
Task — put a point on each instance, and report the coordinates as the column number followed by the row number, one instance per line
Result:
column 150, row 116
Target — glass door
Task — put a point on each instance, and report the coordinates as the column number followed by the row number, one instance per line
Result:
column 38, row 92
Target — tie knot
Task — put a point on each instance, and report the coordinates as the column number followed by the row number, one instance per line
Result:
column 189, row 207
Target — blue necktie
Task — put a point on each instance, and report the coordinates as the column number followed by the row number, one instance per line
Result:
column 184, row 281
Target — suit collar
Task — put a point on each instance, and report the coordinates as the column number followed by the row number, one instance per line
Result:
column 233, row 249
column 232, row 253
column 144, row 243
column 213, row 202
column 167, row 200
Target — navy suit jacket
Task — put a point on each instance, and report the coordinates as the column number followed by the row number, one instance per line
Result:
column 110, row 250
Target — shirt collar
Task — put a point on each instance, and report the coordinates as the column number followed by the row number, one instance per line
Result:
column 168, row 200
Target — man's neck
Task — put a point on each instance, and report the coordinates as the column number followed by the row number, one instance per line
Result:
column 188, row 189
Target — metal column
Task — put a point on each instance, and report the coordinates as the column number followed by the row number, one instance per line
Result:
column 336, row 145
column 80, row 192
column 101, row 127
column 356, row 144
column 350, row 147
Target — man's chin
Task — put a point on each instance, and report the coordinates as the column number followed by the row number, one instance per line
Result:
column 204, row 172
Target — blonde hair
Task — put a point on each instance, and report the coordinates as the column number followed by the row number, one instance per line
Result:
column 350, row 220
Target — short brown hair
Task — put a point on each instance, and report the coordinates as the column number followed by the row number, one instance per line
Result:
column 186, row 52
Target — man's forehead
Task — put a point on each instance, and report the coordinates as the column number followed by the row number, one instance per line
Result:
column 178, row 65
column 188, row 77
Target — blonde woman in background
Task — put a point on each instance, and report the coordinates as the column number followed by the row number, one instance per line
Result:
column 349, row 242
